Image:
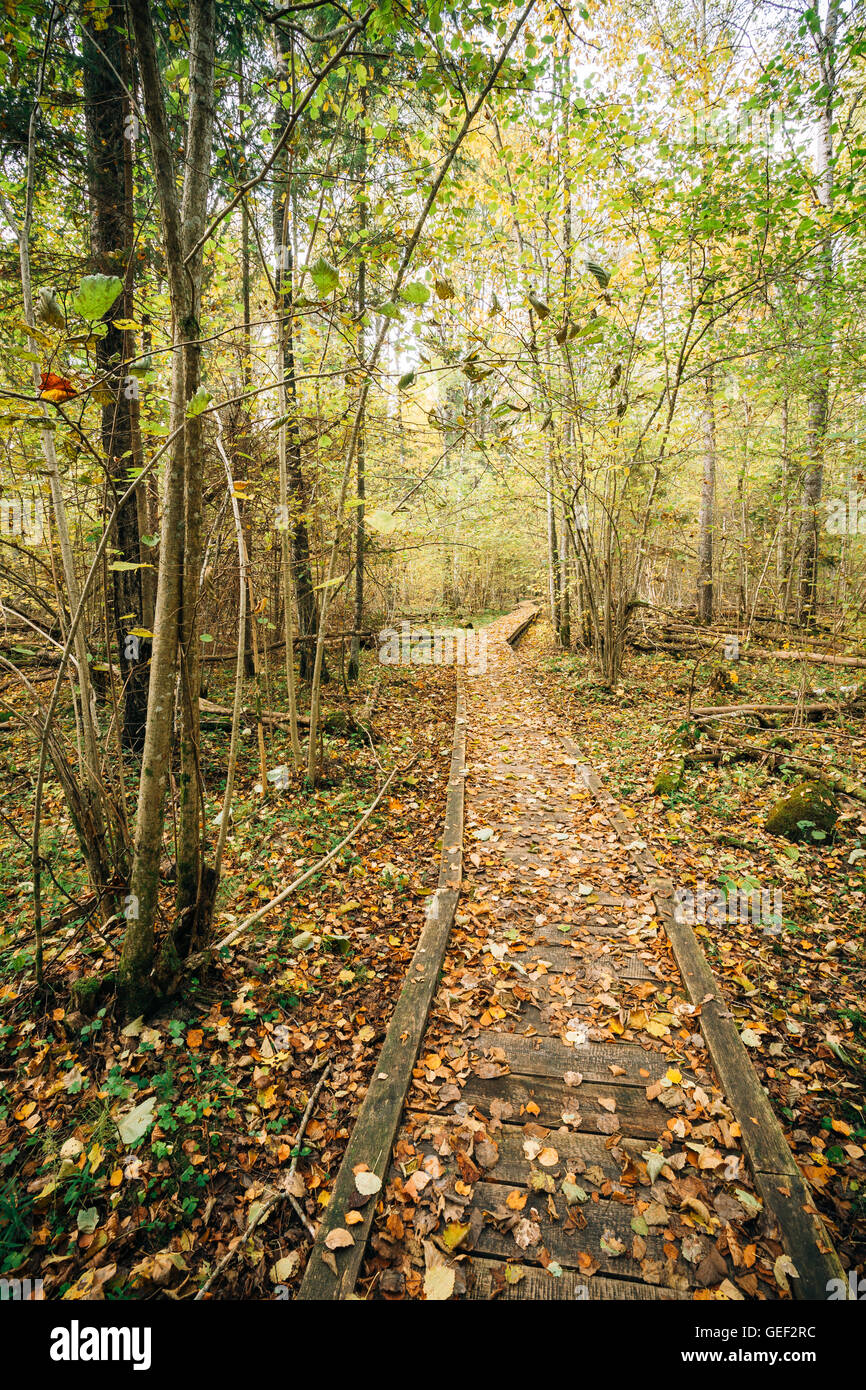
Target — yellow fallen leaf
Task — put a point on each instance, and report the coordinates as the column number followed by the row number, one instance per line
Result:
column 438, row 1283
column 454, row 1233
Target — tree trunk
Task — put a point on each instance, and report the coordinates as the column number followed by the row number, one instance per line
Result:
column 111, row 237
column 180, row 550
column 360, row 529
column 552, row 544
column 299, row 500
column 708, row 505
column 819, row 396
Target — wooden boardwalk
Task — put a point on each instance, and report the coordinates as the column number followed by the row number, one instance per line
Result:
column 564, row 1134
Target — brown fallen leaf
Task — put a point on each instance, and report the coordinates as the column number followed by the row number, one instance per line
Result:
column 338, row 1238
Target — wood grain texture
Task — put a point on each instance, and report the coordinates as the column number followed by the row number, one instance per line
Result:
column 486, row 1280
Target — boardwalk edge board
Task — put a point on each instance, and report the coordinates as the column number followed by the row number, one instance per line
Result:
column 782, row 1187
column 372, row 1137
column 375, row 1129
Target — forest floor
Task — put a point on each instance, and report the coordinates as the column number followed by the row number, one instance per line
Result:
column 134, row 1155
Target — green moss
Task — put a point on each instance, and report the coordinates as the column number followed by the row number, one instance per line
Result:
column 811, row 806
column 90, row 990
column 668, row 779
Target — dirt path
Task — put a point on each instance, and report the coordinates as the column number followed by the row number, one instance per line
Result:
column 564, row 1136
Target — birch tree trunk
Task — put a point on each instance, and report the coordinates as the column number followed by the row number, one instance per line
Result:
column 708, row 505
column 819, row 397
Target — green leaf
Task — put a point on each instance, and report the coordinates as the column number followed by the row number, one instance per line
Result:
column 382, row 521
column 601, row 275
column 415, row 293
column 95, row 295
column 135, row 1123
column 199, row 402
column 407, row 380
column 325, row 276
column 573, row 1193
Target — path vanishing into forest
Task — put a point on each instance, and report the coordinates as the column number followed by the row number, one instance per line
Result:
column 576, row 1116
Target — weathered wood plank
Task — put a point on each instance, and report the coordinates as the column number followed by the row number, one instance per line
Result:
column 485, row 1280
column 638, row 1119
column 373, row 1135
column 522, row 621
column 546, row 1056
column 605, row 1220
column 543, row 960
column 577, row 1152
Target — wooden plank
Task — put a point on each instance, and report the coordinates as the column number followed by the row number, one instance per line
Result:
column 777, row 1177
column 560, row 960
column 547, row 1056
column 522, row 622
column 568, row 960
column 577, row 1152
column 373, row 1134
column 485, row 1280
column 637, row 1118
column 602, row 1219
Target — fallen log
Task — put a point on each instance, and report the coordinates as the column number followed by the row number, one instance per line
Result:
column 732, row 711
column 335, row 722
column 817, row 658
column 811, row 768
